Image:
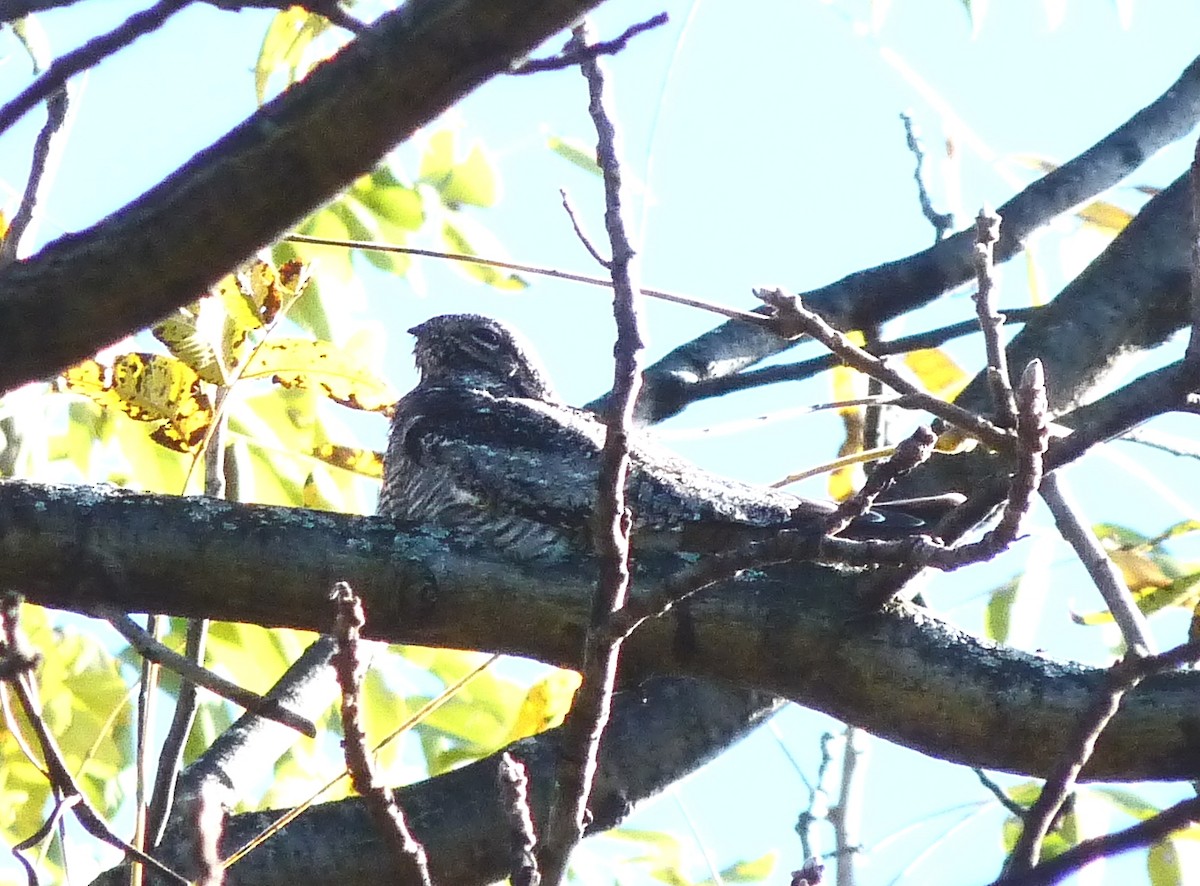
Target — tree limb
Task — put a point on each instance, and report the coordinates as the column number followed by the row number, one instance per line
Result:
column 794, row 631
column 88, row 289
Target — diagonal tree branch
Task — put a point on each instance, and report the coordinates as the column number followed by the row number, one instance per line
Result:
column 872, row 296
column 88, row 289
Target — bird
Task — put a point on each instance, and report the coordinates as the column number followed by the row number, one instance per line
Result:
column 484, row 448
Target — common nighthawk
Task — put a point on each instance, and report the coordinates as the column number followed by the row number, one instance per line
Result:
column 483, row 447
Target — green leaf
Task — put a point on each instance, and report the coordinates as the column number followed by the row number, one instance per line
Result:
column 470, row 181
column 754, row 870
column 288, row 37
column 457, row 241
column 576, row 153
column 1163, row 865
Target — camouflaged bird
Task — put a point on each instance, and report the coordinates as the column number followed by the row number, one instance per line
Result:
column 483, row 447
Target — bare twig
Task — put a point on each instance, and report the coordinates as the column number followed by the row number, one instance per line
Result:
column 1191, row 358
column 62, row 780
column 1000, row 794
column 575, row 54
column 718, row 386
column 86, row 56
column 987, row 232
column 152, row 650
column 45, row 153
column 794, row 319
column 908, row 454
column 606, row 283
column 1132, row 623
column 580, row 233
column 1124, row 676
column 513, row 781
column 1174, row 444
column 170, row 758
column 942, row 222
column 819, row 793
column 846, row 816
column 1032, row 439
column 407, row 854
column 914, row 552
column 590, row 712
column 1144, row 833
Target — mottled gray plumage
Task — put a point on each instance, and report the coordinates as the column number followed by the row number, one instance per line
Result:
column 483, row 447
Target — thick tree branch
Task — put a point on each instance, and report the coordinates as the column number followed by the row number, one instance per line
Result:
column 656, row 736
column 796, row 631
column 88, row 289
column 867, row 298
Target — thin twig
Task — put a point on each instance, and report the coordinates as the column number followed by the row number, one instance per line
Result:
column 1000, row 794
column 575, row 54
column 943, row 222
column 847, row 814
column 1135, row 630
column 794, row 319
column 718, row 386
column 512, row 779
column 987, row 233
column 593, row 701
column 606, row 283
column 911, row 452
column 153, row 650
column 407, row 854
column 86, row 56
column 1124, row 676
column 913, row 552
column 1144, row 833
column 1191, row 358
column 46, row 151
column 580, row 233
column 62, row 780
column 1032, row 439
column 170, row 757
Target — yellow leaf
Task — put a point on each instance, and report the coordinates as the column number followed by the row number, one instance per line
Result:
column 288, row 36
column 1139, row 570
column 91, row 379
column 185, row 336
column 273, row 289
column 366, row 462
column 938, row 374
column 1108, row 217
column 953, row 440
column 337, row 372
column 152, row 388
column 546, row 704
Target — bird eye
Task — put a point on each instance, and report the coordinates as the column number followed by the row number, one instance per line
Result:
column 487, row 337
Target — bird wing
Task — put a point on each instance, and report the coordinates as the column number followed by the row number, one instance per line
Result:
column 541, row 461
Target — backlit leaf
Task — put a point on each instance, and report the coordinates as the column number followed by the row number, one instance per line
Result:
column 470, row 180
column 576, row 153
column 937, row 373
column 151, row 388
column 366, row 462
column 337, row 372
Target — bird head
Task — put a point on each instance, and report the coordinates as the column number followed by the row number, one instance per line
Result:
column 479, row 352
